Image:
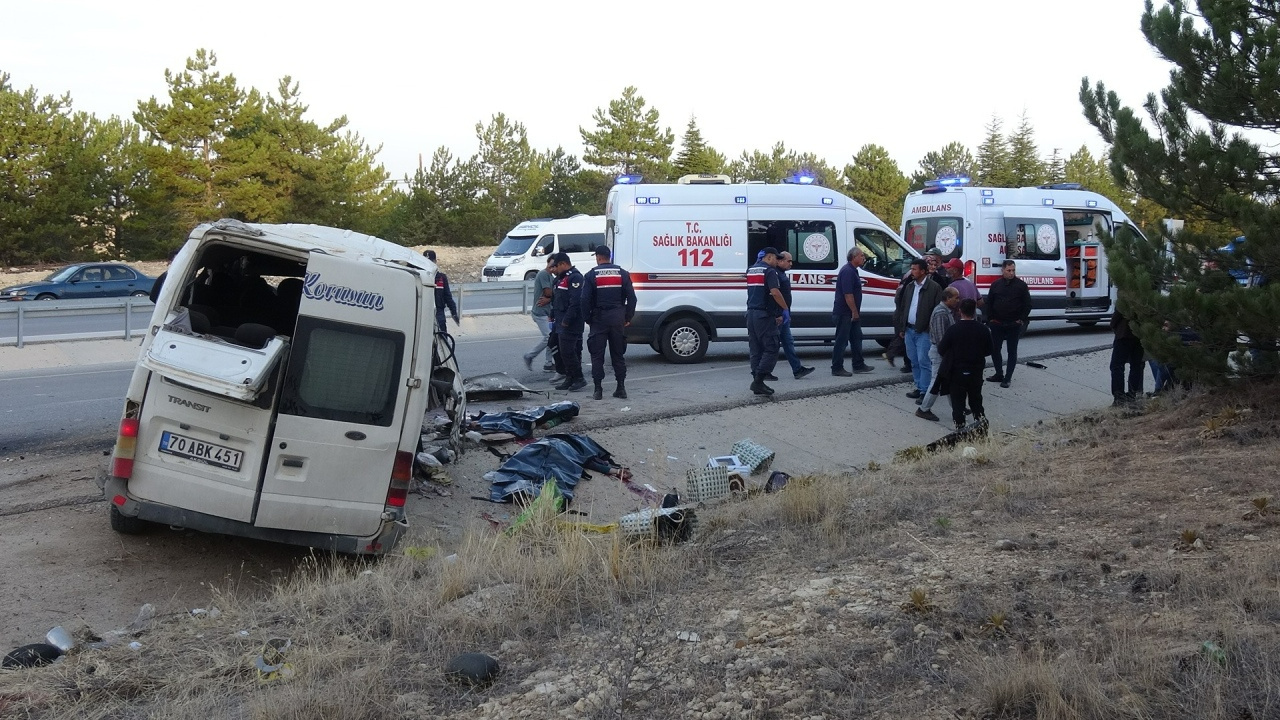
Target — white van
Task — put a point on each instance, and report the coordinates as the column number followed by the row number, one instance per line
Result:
column 688, row 246
column 1053, row 232
column 524, row 251
column 281, row 390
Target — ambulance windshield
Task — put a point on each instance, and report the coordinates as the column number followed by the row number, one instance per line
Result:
column 515, row 245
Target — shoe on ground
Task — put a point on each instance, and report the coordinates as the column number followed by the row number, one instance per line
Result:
column 919, row 400
column 803, row 371
column 576, row 385
column 1004, row 384
column 549, row 367
column 905, row 370
column 841, row 372
column 864, row 369
column 598, row 393
column 996, row 378
column 888, row 359
column 771, row 377
column 620, row 393
column 915, row 394
column 926, row 415
column 528, row 363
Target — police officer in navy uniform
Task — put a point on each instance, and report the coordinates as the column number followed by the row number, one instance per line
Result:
column 566, row 311
column 608, row 303
column 766, row 311
column 444, row 296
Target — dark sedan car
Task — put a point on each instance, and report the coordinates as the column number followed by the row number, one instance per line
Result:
column 84, row 280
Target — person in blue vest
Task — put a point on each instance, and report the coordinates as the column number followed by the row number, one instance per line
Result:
column 608, row 304
column 566, row 313
column 444, row 296
column 766, row 311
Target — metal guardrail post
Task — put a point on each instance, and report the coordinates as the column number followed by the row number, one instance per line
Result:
column 20, row 315
column 128, row 313
column 462, row 291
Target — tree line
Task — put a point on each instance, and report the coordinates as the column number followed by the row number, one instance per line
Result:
column 75, row 186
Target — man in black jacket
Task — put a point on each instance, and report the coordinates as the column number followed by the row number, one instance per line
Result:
column 964, row 350
column 1008, row 306
column 566, row 311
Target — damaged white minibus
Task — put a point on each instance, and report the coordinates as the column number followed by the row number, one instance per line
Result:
column 280, row 391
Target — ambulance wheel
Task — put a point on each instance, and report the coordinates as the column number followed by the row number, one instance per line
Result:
column 684, row 340
column 126, row 525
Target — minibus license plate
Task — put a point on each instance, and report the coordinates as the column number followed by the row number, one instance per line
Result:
column 199, row 450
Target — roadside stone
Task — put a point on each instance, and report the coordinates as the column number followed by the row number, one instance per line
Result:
column 1006, row 545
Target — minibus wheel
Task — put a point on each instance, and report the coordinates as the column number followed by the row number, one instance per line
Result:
column 684, row 340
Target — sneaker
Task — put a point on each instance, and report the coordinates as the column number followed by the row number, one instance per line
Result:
column 905, row 370
column 915, row 394
column 919, row 400
column 576, row 385
column 771, row 377
column 528, row 363
column 864, row 369
column 996, row 378
column 888, row 359
column 549, row 367
column 802, row 372
column 926, row 415
column 841, row 372
column 1004, row 384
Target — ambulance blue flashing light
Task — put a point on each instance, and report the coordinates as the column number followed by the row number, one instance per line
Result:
column 799, row 179
column 988, row 201
column 1048, row 201
column 947, row 181
column 827, row 201
column 988, row 193
column 740, row 199
column 641, row 200
column 1091, row 203
column 629, row 179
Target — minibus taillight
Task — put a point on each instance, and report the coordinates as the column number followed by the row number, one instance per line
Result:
column 401, row 473
column 970, row 270
column 126, row 446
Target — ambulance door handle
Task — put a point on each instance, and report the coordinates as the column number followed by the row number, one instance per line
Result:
column 1059, row 269
column 291, row 463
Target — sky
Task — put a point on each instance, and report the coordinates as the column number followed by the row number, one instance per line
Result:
column 822, row 77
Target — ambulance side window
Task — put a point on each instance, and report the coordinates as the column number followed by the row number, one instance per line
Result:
column 812, row 243
column 1032, row 239
column 944, row 233
column 885, row 256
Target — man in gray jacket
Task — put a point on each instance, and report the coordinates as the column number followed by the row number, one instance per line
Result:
column 540, row 314
column 912, row 305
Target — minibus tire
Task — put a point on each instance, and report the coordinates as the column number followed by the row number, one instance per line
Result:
column 1085, row 323
column 531, row 275
column 126, row 525
column 687, row 333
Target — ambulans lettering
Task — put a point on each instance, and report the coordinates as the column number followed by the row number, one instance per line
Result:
column 946, row 207
column 807, row 279
column 316, row 289
column 1034, row 281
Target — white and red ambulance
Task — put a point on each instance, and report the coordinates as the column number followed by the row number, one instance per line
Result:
column 1052, row 232
column 688, row 245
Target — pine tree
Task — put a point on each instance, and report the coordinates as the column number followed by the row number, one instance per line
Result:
column 1225, row 82
column 695, row 155
column 780, row 163
column 1055, row 167
column 628, row 140
column 994, row 165
column 1027, row 168
column 875, row 181
column 954, row 159
column 507, row 170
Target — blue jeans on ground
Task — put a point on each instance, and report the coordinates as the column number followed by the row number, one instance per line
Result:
column 918, row 352
column 848, row 335
column 541, row 321
column 1159, row 376
column 789, row 347
column 935, row 362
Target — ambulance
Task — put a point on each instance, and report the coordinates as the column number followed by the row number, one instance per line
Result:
column 280, row 391
column 1053, row 233
column 688, row 245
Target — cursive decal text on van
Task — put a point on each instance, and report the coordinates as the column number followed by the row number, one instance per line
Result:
column 316, row 289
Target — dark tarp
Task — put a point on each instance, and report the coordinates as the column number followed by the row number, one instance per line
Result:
column 521, row 423
column 563, row 459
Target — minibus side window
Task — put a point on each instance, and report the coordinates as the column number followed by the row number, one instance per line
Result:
column 885, row 256
column 812, row 243
column 343, row 372
column 580, row 242
column 544, row 246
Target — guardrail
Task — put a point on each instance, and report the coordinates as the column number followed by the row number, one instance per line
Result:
column 472, row 298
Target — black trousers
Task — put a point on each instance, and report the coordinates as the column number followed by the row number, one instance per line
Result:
column 607, row 335
column 553, row 342
column 1002, row 334
column 966, row 386
column 571, row 352
column 763, row 341
column 1126, row 351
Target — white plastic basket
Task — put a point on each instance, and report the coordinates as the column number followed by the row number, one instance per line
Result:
column 757, row 457
column 707, row 483
column 644, row 522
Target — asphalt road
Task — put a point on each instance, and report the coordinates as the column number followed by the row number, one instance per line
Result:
column 58, row 405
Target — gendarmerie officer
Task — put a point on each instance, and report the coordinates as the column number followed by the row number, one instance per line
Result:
column 608, row 303
column 566, row 310
column 444, row 295
column 766, row 310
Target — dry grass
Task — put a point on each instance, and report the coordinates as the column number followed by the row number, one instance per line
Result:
column 1060, row 587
